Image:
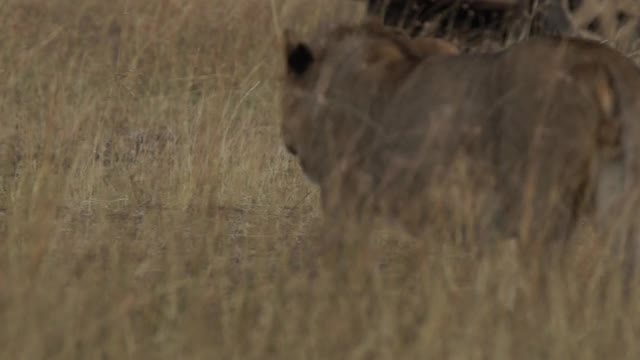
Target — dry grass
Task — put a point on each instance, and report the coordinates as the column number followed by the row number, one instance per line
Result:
column 148, row 211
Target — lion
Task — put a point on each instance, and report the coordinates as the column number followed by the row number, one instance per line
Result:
column 388, row 131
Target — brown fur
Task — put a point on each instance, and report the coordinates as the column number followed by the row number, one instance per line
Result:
column 385, row 129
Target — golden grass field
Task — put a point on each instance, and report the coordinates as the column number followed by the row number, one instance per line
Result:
column 148, row 210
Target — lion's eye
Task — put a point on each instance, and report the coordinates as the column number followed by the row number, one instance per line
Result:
column 299, row 59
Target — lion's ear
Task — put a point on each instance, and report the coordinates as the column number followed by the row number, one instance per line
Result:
column 299, row 56
column 384, row 52
column 597, row 79
column 426, row 47
column 394, row 47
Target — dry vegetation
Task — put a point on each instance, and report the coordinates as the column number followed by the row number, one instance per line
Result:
column 148, row 211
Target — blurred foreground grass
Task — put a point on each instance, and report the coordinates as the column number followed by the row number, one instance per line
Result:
column 148, row 211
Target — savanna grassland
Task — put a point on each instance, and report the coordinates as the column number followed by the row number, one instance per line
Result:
column 148, row 210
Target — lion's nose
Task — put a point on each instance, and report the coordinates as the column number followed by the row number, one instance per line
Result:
column 291, row 149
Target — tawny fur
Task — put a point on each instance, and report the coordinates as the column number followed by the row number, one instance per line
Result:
column 532, row 131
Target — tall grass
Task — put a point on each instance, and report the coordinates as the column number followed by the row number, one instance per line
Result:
column 148, row 211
